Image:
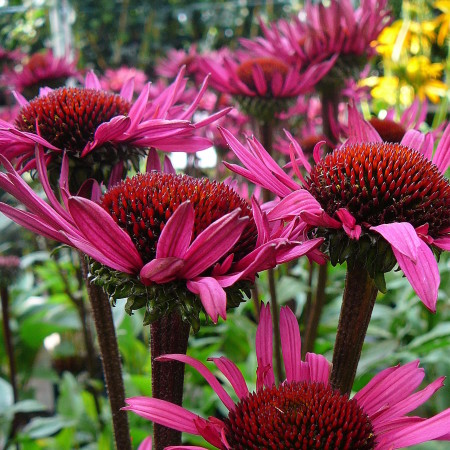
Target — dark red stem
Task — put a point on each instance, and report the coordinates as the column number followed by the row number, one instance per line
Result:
column 112, row 367
column 169, row 334
column 357, row 305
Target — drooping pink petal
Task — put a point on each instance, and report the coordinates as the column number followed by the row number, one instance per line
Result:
column 177, row 233
column 99, row 228
column 423, row 275
column 402, row 236
column 163, row 412
column 213, row 242
column 349, row 223
column 290, row 344
column 153, row 162
column 233, row 375
column 264, row 348
column 161, row 270
column 205, row 373
column 212, row 296
column 293, row 204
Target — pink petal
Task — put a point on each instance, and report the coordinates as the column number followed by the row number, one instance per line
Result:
column 264, row 348
column 205, row 373
column 146, row 444
column 127, row 89
column 442, row 156
column 290, row 344
column 421, row 431
column 212, row 296
column 319, row 368
column 359, row 130
column 402, row 236
column 153, row 162
column 163, row 412
column 213, row 242
column 99, row 228
column 293, row 204
column 161, row 270
column 349, row 223
column 92, row 82
column 423, row 275
column 233, row 375
column 177, row 233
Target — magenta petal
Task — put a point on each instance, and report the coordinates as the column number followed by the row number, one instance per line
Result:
column 127, row 89
column 100, row 229
column 359, row 130
column 402, row 236
column 293, row 204
column 264, row 348
column 161, row 270
column 443, row 243
column 205, row 373
column 153, row 162
column 213, row 242
column 146, row 444
column 416, row 433
column 423, row 275
column 212, row 296
column 92, row 82
column 177, row 233
column 164, row 413
column 290, row 344
column 319, row 368
column 233, row 375
column 442, row 156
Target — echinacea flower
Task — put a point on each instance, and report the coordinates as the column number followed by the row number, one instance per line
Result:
column 163, row 240
column 115, row 79
column 41, row 70
column 303, row 411
column 320, row 32
column 262, row 85
column 101, row 130
column 376, row 203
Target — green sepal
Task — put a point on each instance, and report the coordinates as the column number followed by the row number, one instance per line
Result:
column 159, row 300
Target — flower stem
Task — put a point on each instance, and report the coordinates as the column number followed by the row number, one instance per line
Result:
column 169, row 334
column 315, row 310
column 357, row 305
column 9, row 346
column 109, row 351
column 266, row 135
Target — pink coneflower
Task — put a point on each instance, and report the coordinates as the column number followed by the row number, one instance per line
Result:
column 174, row 60
column 162, row 230
column 115, row 79
column 262, row 85
column 100, row 130
column 303, row 411
column 393, row 128
column 319, row 32
column 376, row 203
column 42, row 70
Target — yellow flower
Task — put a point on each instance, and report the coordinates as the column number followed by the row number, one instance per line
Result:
column 443, row 21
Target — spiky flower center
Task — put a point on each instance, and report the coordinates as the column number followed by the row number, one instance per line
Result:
column 69, row 117
column 388, row 130
column 382, row 183
column 142, row 205
column 269, row 67
column 299, row 415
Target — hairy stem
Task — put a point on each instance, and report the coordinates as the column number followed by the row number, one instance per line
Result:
column 357, row 305
column 169, row 334
column 109, row 351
